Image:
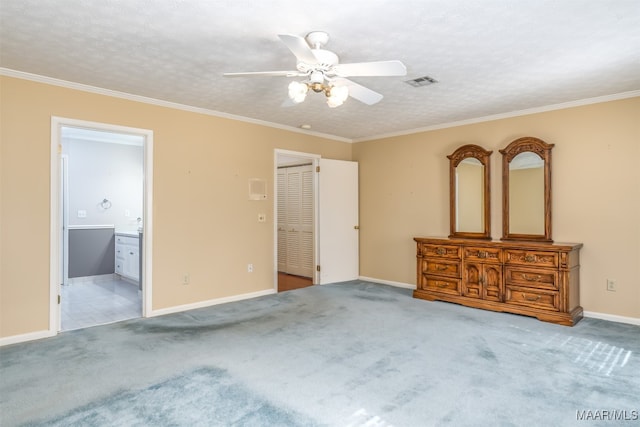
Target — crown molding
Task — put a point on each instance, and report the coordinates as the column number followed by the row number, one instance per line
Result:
column 158, row 102
column 143, row 99
column 561, row 106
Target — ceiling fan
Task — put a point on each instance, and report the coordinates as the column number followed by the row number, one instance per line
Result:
column 325, row 74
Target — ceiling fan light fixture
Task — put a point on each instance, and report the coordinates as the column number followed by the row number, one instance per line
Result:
column 317, row 87
column 298, row 91
column 322, row 68
column 336, row 95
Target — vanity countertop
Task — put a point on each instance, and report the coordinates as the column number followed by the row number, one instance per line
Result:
column 130, row 233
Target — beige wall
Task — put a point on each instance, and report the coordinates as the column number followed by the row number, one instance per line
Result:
column 204, row 223
column 596, row 194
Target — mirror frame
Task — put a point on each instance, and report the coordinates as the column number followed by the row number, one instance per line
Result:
column 542, row 149
column 482, row 155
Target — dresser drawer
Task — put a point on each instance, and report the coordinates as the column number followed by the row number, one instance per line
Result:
column 441, row 251
column 441, row 268
column 532, row 258
column 477, row 253
column 534, row 278
column 441, row 284
column 535, row 298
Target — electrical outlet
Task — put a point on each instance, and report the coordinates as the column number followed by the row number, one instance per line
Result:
column 249, row 268
column 611, row 285
column 185, row 279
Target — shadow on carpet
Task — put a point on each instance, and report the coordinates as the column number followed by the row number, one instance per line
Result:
column 204, row 397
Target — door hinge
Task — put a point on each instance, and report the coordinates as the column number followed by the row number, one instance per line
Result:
column 58, row 299
column 317, row 168
column 317, row 267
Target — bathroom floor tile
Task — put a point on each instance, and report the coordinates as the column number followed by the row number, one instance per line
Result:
column 99, row 302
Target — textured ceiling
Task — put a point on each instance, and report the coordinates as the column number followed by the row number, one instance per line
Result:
column 489, row 57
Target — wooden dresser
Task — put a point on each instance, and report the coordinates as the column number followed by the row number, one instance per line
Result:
column 534, row 279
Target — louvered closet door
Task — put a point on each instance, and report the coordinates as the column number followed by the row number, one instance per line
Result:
column 297, row 227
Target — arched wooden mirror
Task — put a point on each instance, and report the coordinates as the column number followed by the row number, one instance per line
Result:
column 469, row 193
column 526, row 190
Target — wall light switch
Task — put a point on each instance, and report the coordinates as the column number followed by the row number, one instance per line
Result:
column 82, row 213
column 262, row 217
column 127, row 213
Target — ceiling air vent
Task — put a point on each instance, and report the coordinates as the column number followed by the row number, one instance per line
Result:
column 421, row 81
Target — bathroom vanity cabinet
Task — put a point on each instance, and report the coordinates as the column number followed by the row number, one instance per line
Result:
column 127, row 256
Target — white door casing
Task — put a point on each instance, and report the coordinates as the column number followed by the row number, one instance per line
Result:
column 56, row 218
column 281, row 218
column 338, row 229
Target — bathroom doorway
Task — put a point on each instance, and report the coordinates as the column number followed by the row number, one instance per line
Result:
column 103, row 218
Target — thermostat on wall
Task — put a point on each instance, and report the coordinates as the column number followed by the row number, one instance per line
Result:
column 257, row 189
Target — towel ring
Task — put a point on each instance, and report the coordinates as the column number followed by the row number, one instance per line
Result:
column 106, row 204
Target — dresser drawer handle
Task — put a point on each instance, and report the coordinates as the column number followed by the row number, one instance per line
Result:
column 441, row 251
column 536, row 298
column 442, row 285
column 530, row 258
column 441, row 267
column 532, row 278
column 481, row 254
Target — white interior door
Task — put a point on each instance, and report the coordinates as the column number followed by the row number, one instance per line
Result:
column 338, row 221
column 64, row 215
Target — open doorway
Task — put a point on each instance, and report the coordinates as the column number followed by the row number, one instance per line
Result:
column 295, row 220
column 328, row 251
column 103, row 223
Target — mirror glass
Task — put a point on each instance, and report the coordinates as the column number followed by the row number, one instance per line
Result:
column 526, row 190
column 526, row 194
column 469, row 196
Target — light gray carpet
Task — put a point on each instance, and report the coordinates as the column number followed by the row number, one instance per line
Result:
column 349, row 354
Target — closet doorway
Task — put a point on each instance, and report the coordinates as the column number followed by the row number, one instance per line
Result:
column 295, row 212
column 328, row 252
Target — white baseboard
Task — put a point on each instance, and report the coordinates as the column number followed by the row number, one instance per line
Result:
column 209, row 303
column 612, row 317
column 91, row 279
column 388, row 282
column 15, row 339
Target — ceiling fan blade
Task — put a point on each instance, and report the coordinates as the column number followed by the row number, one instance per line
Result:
column 360, row 92
column 299, row 47
column 371, row 69
column 266, row 73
